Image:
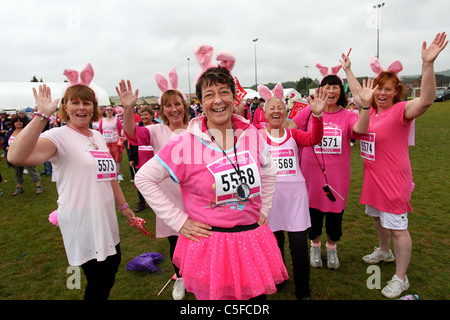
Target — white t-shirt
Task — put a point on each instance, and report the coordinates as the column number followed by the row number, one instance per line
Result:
column 86, row 208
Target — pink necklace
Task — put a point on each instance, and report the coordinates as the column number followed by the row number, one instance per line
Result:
column 91, row 139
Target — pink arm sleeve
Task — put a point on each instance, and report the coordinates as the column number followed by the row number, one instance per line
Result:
column 148, row 180
column 268, row 179
column 304, row 139
column 143, row 137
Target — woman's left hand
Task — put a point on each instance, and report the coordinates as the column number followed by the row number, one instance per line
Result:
column 430, row 54
column 129, row 214
column 262, row 220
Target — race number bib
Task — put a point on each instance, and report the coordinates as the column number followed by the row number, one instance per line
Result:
column 367, row 143
column 105, row 166
column 145, row 148
column 286, row 161
column 331, row 142
column 108, row 135
column 227, row 179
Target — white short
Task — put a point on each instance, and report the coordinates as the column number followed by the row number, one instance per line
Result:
column 389, row 220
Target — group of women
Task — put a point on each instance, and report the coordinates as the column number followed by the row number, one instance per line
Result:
column 223, row 191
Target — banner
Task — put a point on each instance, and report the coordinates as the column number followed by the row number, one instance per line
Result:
column 296, row 108
column 240, row 92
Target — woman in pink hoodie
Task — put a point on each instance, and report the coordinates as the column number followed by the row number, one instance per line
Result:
column 227, row 177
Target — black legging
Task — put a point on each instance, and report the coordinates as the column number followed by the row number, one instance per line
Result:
column 298, row 246
column 101, row 276
column 173, row 243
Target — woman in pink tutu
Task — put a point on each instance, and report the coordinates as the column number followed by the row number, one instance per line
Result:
column 227, row 177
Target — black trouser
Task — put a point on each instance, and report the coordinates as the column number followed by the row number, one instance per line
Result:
column 100, row 276
column 300, row 259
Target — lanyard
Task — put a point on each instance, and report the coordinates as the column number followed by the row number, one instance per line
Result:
column 238, row 171
column 243, row 190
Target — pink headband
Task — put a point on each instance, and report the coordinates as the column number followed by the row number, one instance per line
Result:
column 203, row 54
column 163, row 84
column 266, row 94
column 334, row 70
column 395, row 67
column 84, row 77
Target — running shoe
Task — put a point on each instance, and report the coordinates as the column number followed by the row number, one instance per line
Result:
column 377, row 256
column 395, row 287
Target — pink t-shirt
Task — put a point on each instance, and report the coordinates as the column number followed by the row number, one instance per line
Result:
column 259, row 119
column 207, row 178
column 111, row 130
column 388, row 177
column 157, row 136
column 334, row 151
column 86, row 207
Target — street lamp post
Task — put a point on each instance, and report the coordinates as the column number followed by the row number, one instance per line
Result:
column 306, row 80
column 377, row 7
column 256, row 73
column 189, row 81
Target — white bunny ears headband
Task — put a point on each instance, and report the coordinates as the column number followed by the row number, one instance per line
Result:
column 163, row 84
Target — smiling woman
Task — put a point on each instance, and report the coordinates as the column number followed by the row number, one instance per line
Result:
column 225, row 249
column 326, row 166
column 82, row 167
column 175, row 118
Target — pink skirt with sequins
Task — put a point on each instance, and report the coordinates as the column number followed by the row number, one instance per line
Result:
column 231, row 265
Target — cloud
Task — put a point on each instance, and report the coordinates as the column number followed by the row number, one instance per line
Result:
column 134, row 39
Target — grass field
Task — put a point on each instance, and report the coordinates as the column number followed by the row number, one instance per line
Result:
column 33, row 263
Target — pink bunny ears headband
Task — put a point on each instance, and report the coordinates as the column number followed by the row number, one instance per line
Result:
column 163, row 84
column 84, row 77
column 395, row 67
column 204, row 53
column 266, row 94
column 324, row 70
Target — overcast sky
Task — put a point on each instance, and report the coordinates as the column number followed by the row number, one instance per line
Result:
column 134, row 39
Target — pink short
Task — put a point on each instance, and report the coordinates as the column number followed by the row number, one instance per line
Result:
column 115, row 150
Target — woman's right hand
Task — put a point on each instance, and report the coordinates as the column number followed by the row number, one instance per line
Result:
column 126, row 95
column 44, row 102
column 318, row 103
column 346, row 64
column 366, row 94
column 192, row 229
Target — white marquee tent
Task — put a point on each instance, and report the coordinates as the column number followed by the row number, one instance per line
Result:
column 19, row 95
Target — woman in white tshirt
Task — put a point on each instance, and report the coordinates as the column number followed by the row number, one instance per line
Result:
column 86, row 183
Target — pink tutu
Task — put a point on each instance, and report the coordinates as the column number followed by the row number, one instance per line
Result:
column 231, row 265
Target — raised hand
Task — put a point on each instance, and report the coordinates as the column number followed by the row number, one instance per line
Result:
column 318, row 103
column 346, row 64
column 366, row 94
column 44, row 101
column 430, row 54
column 126, row 95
